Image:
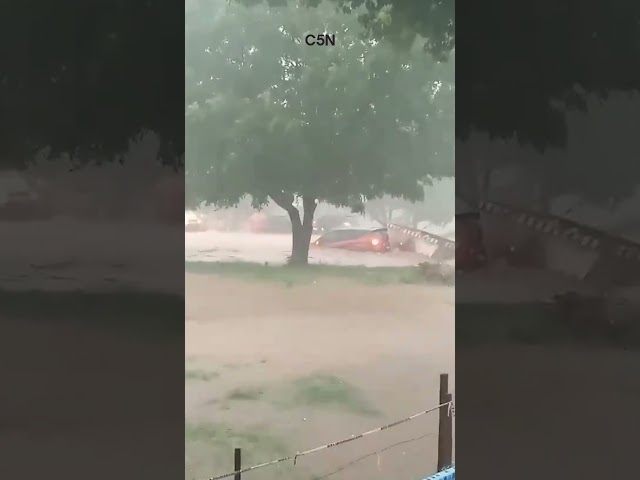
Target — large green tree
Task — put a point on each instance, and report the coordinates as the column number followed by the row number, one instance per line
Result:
column 114, row 68
column 271, row 117
column 526, row 69
column 556, row 52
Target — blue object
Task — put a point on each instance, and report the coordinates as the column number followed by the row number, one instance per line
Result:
column 447, row 474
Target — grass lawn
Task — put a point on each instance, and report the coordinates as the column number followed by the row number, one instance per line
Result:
column 293, row 275
column 209, row 446
column 209, row 450
column 313, row 391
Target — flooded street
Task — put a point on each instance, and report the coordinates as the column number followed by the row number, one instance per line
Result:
column 214, row 246
column 292, row 368
column 97, row 256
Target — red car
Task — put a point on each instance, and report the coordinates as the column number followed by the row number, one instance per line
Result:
column 376, row 241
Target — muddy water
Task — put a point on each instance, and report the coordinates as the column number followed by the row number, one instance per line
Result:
column 390, row 343
column 67, row 255
column 274, row 249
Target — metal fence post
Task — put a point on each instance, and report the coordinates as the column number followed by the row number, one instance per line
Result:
column 445, row 426
column 237, row 461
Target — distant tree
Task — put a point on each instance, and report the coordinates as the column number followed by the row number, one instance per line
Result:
column 270, row 117
column 437, row 207
column 383, row 209
column 430, row 22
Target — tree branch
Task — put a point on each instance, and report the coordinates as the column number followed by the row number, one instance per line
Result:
column 285, row 201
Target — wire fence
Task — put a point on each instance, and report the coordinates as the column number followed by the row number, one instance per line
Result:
column 376, row 454
column 445, row 434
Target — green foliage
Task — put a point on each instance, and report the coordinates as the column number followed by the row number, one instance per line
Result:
column 209, row 449
column 63, row 62
column 84, row 78
column 430, row 22
column 526, row 68
column 556, row 52
column 531, row 66
column 267, row 114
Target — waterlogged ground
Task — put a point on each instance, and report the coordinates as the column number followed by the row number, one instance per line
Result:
column 271, row 367
column 274, row 249
column 67, row 254
column 275, row 369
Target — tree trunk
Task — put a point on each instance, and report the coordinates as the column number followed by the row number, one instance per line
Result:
column 302, row 232
column 300, row 245
column 301, row 229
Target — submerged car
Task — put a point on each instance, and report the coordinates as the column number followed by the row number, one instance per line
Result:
column 359, row 240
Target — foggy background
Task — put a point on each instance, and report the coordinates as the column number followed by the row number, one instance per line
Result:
column 601, row 150
column 369, row 132
column 101, row 225
column 592, row 182
column 289, row 342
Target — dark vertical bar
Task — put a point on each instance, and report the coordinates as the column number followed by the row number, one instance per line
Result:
column 445, row 426
column 237, row 463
